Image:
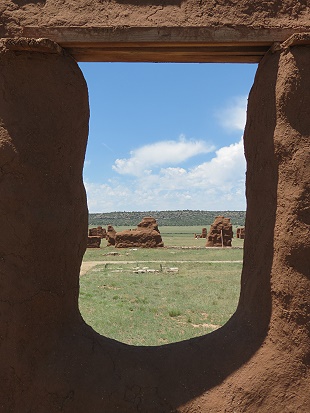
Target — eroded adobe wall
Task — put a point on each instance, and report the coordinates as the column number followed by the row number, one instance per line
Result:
column 50, row 360
column 276, row 271
column 17, row 14
column 43, row 131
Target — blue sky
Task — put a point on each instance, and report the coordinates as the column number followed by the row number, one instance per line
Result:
column 166, row 136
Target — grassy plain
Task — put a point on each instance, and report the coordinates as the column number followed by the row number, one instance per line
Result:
column 137, row 299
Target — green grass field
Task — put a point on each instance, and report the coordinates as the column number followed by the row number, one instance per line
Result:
column 135, row 298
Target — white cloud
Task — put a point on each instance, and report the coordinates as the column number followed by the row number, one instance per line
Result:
column 226, row 168
column 233, row 117
column 143, row 159
column 223, row 172
column 106, row 197
column 218, row 184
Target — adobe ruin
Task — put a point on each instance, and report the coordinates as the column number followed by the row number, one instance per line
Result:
column 97, row 232
column 146, row 235
column 95, row 235
column 110, row 236
column 202, row 235
column 240, row 233
column 50, row 360
column 93, row 241
column 220, row 233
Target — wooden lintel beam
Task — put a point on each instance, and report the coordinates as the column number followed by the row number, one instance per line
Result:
column 167, row 54
column 164, row 44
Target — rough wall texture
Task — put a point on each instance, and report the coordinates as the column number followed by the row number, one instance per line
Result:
column 93, row 241
column 110, row 236
column 140, row 238
column 97, row 232
column 240, row 233
column 50, row 360
column 146, row 235
column 43, row 132
column 220, row 233
column 16, row 14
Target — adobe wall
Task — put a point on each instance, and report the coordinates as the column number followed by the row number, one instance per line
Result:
column 18, row 14
column 50, row 360
column 190, row 31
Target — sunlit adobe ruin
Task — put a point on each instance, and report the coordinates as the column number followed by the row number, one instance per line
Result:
column 220, row 233
column 240, row 233
column 146, row 235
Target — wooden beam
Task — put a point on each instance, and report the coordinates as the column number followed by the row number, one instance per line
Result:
column 164, row 44
column 165, row 53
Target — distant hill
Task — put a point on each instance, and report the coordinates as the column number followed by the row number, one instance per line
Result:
column 165, row 218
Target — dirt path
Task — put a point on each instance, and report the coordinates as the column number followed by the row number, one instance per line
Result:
column 88, row 265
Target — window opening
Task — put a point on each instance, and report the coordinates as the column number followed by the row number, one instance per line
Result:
column 163, row 138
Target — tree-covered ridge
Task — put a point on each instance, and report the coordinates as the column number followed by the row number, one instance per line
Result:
column 165, row 218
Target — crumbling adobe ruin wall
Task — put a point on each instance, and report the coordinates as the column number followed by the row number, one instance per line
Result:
column 97, row 232
column 240, row 233
column 93, row 241
column 202, row 235
column 50, row 360
column 146, row 235
column 110, row 235
column 220, row 233
column 95, row 235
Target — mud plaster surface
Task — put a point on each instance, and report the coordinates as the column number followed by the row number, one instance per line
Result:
column 50, row 360
column 16, row 14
